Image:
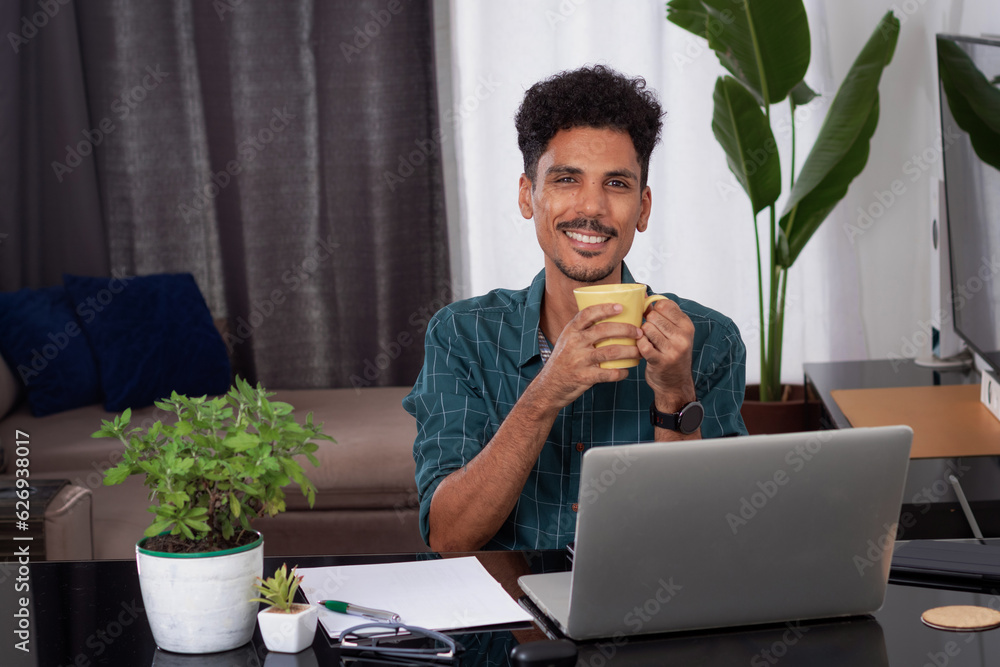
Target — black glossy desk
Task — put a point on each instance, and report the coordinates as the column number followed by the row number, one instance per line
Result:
column 90, row 613
column 930, row 507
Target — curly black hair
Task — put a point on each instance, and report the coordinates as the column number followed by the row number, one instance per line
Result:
column 596, row 96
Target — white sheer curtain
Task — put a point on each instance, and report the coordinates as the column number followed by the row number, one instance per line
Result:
column 700, row 239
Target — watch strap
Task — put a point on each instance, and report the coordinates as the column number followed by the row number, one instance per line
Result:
column 673, row 421
column 667, row 420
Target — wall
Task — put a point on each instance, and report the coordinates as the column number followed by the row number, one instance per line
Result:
column 893, row 253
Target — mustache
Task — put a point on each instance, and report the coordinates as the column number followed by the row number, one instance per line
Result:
column 586, row 225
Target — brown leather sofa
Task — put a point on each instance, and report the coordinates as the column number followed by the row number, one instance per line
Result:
column 366, row 500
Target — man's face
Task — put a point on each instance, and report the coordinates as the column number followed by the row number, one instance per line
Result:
column 586, row 202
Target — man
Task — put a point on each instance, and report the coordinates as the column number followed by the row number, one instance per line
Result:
column 511, row 393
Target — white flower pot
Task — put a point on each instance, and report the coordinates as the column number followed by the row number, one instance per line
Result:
column 288, row 633
column 200, row 603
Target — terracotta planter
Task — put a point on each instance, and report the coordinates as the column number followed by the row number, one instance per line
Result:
column 793, row 414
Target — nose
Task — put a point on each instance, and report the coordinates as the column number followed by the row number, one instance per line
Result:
column 592, row 200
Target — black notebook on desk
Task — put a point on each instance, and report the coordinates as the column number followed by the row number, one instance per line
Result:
column 931, row 559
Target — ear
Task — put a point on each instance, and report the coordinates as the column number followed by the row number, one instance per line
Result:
column 646, row 207
column 524, row 197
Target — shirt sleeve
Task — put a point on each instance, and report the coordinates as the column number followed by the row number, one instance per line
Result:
column 447, row 402
column 724, row 382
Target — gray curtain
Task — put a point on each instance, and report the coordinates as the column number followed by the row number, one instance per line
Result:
column 47, row 226
column 285, row 153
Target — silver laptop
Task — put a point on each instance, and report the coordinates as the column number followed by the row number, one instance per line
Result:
column 731, row 531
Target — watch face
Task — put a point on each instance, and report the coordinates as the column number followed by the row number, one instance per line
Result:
column 691, row 417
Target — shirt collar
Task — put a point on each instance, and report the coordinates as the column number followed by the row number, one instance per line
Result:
column 533, row 314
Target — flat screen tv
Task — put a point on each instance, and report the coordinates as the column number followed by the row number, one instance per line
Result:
column 969, row 85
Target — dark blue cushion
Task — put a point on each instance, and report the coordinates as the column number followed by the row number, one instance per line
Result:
column 42, row 342
column 151, row 335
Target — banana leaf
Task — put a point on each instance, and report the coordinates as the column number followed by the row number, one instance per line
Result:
column 841, row 149
column 974, row 103
column 741, row 128
column 759, row 41
column 802, row 94
column 690, row 15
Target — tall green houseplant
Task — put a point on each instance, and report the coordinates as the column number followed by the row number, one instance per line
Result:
column 765, row 46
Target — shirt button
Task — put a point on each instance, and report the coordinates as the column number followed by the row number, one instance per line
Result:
column 579, row 446
column 576, row 507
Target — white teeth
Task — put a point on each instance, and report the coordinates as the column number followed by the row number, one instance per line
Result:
column 586, row 239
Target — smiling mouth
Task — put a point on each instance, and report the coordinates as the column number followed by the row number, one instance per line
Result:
column 586, row 238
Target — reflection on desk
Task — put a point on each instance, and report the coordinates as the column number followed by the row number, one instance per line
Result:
column 855, row 642
column 90, row 613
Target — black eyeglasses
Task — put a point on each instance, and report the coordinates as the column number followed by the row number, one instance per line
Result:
column 386, row 640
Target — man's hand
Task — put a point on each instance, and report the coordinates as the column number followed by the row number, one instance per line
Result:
column 472, row 503
column 666, row 343
column 574, row 366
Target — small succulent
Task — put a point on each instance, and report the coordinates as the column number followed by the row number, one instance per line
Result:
column 279, row 590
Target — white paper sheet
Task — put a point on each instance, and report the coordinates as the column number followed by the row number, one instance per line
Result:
column 443, row 594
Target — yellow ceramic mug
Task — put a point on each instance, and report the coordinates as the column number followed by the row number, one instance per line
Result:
column 632, row 297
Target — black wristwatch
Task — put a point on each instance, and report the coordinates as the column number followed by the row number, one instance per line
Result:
column 687, row 421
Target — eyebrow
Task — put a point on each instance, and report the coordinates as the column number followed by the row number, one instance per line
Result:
column 567, row 169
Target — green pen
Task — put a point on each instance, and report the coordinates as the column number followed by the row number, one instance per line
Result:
column 358, row 610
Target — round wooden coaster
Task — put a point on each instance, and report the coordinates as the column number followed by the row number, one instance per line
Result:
column 961, row 618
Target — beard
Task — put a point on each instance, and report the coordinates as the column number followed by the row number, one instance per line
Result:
column 581, row 274
column 584, row 275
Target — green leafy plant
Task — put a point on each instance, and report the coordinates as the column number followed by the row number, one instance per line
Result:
column 765, row 45
column 279, row 590
column 222, row 463
column 973, row 100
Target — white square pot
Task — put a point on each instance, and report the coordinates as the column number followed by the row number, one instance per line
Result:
column 288, row 633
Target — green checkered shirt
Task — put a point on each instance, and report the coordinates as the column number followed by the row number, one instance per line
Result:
column 479, row 356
